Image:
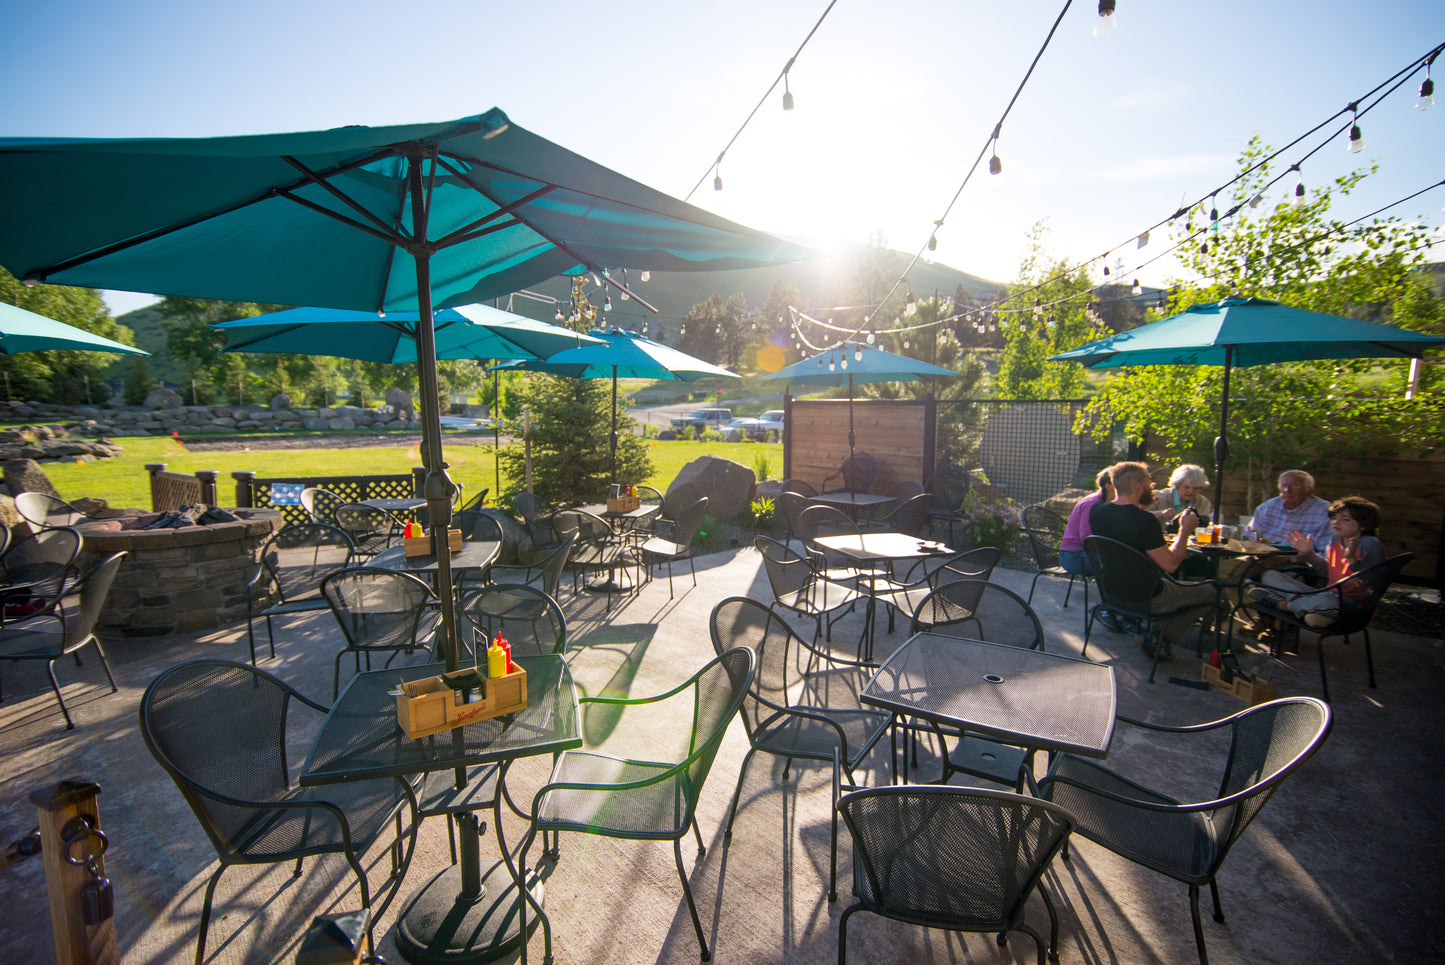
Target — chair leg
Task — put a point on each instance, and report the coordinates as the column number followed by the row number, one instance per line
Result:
column 105, row 661
column 1218, row 908
column 1324, row 678
column 1369, row 657
column 1053, row 922
column 1070, row 591
column 365, row 902
column 833, row 842
column 842, row 932
column 251, row 637
column 1032, row 585
column 737, row 792
column 206, row 914
column 1198, row 924
column 687, row 893
column 55, row 685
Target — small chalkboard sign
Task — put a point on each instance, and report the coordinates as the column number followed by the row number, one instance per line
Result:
column 286, row 494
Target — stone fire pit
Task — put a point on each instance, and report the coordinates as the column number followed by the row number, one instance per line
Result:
column 176, row 580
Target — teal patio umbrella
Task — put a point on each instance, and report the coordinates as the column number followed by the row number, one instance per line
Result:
column 857, row 362
column 1247, row 331
column 403, row 218
column 624, row 355
column 26, row 331
column 472, row 332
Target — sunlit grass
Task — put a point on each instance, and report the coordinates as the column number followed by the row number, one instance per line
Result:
column 125, row 482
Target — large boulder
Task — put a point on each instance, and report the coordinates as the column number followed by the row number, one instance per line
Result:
column 400, row 402
column 26, row 476
column 280, row 401
column 162, row 399
column 727, row 485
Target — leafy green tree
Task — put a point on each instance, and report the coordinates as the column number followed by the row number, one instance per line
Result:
column 137, row 382
column 1314, row 413
column 1051, row 314
column 571, row 458
column 62, row 376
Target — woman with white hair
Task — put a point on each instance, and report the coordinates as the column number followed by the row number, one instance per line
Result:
column 1185, row 492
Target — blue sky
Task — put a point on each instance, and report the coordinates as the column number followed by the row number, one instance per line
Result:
column 894, row 100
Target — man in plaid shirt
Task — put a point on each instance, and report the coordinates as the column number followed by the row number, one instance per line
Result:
column 1295, row 508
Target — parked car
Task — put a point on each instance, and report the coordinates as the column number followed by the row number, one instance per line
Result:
column 704, row 419
column 771, row 421
column 758, row 427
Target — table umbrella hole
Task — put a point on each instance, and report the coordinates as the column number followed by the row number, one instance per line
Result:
column 993, row 678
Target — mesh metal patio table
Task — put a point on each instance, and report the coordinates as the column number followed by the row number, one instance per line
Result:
column 879, row 546
column 1033, row 699
column 460, row 914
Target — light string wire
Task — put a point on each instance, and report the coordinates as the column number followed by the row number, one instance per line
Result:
column 761, row 100
column 1393, row 83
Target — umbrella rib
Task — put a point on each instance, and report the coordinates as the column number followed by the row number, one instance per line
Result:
column 386, row 232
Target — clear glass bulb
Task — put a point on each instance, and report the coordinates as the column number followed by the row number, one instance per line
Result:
column 625, row 296
column 995, row 166
column 1299, row 195
column 1357, row 140
column 832, row 367
column 872, row 338
column 1105, row 23
column 1427, row 96
column 857, row 353
column 607, row 304
column 717, row 182
column 844, row 364
column 1138, row 289
column 646, row 275
column 558, row 316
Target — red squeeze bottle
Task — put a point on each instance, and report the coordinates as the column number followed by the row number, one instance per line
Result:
column 502, row 642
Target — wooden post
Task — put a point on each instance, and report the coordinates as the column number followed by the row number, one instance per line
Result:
column 75, row 942
column 245, row 487
column 207, row 478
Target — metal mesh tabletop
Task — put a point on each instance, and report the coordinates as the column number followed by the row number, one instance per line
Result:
column 883, row 546
column 361, row 738
column 1038, row 700
column 474, row 555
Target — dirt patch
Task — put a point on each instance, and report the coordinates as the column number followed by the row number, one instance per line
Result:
column 338, row 441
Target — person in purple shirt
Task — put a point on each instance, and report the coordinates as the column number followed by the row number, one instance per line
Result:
column 1071, row 548
column 1295, row 508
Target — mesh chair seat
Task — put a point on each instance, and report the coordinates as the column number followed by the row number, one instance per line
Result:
column 802, row 734
column 658, row 811
column 293, row 563
column 656, row 549
column 286, row 833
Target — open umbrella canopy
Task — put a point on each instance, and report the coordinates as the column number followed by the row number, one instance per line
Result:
column 473, row 332
column 331, row 217
column 1242, row 332
column 1249, row 331
column 25, row 331
column 857, row 362
column 625, row 355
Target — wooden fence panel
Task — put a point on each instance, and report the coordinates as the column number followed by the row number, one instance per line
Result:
column 894, row 432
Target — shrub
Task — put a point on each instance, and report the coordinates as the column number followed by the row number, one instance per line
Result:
column 761, row 513
column 685, row 433
column 989, row 524
column 760, row 466
column 650, row 431
column 711, row 435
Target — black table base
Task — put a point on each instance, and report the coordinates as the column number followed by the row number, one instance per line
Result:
column 440, row 927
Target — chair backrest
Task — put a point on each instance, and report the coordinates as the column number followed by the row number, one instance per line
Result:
column 371, row 530
column 529, row 505
column 974, row 564
column 687, row 524
column 530, row 619
column 1045, row 530
column 477, row 501
column 84, row 599
column 300, row 556
column 45, row 559
column 856, row 473
column 376, row 609
column 787, row 571
column 218, row 728
column 818, row 520
column 904, row 490
column 43, row 510
column 989, row 847
column 797, row 486
column 911, row 515
column 792, row 505
column 718, row 690
column 981, row 611
column 321, row 503
column 949, row 485
column 477, row 524
column 1126, row 578
column 1376, row 580
column 780, row 682
column 1267, row 743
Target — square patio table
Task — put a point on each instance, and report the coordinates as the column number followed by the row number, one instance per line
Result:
column 1042, row 701
column 851, row 503
column 459, row 915
column 874, row 547
column 396, row 504
column 475, row 554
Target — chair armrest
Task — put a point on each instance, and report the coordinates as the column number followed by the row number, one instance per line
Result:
column 1045, row 786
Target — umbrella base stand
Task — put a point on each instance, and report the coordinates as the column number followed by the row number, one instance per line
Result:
column 439, row 925
column 619, row 580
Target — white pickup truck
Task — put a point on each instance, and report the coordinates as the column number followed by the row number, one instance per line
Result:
column 704, row 419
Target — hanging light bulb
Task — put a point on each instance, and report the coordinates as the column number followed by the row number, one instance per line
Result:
column 607, row 304
column 995, row 166
column 1254, row 201
column 558, row 316
column 718, row 330
column 1299, row 195
column 1138, row 289
column 1038, row 306
column 872, row 338
column 1143, row 239
column 910, row 304
column 857, row 353
column 682, row 329
column 832, row 366
column 717, row 181
column 1357, row 140
column 1427, row 94
column 381, row 313
column 843, row 364
column 1106, row 23
column 933, row 242
column 787, row 94
column 905, row 343
column 1106, row 271
column 646, row 275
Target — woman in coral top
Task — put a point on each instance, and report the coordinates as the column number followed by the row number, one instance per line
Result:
column 1353, row 522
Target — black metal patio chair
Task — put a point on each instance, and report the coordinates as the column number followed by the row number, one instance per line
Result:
column 35, row 571
column 949, row 485
column 797, row 586
column 1189, row 841
column 378, row 611
column 371, row 530
column 855, row 475
column 1045, row 530
column 44, row 511
column 66, row 626
column 657, row 549
column 218, row 728
column 293, row 563
column 802, row 705
column 958, row 858
column 653, row 799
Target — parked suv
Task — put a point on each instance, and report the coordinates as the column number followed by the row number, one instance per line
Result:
column 704, row 419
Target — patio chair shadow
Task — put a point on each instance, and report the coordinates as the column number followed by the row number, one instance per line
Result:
column 629, row 641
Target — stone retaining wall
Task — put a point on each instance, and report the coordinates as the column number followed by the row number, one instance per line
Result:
column 95, row 421
column 177, row 580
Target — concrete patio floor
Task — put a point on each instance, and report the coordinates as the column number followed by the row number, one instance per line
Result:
column 1341, row 865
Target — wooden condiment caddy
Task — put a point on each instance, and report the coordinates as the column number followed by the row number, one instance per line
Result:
column 1252, row 691
column 434, row 704
column 623, row 504
column 421, row 545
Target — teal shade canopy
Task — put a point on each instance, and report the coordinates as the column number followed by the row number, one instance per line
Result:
column 25, row 331
column 326, row 217
column 473, row 332
column 1251, row 331
column 857, row 362
column 625, row 355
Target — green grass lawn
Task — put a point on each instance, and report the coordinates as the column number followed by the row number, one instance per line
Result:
column 124, row 482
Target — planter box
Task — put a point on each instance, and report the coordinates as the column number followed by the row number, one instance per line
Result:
column 421, row 545
column 432, row 704
column 1254, row 691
